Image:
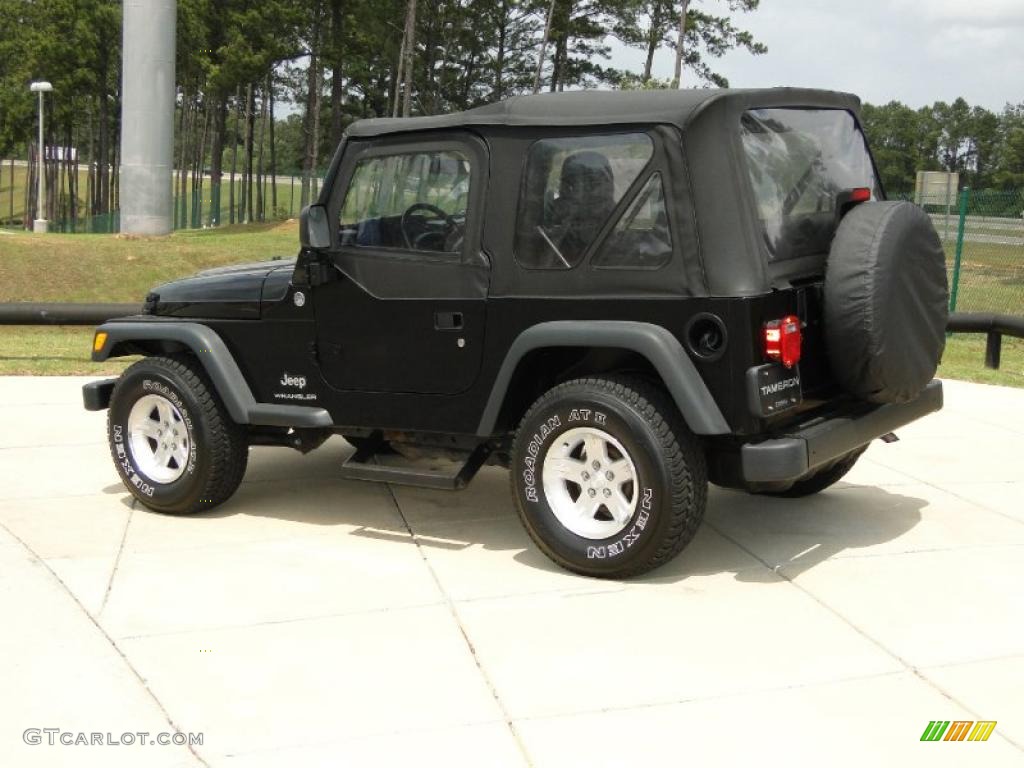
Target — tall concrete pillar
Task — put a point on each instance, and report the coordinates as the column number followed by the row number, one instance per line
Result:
column 147, row 117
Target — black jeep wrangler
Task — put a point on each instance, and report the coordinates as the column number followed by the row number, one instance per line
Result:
column 619, row 296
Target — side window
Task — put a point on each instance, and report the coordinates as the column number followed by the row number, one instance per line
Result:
column 570, row 188
column 642, row 238
column 413, row 201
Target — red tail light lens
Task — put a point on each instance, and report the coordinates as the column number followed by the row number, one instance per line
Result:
column 860, row 195
column 782, row 339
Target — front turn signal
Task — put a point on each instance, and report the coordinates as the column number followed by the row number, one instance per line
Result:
column 98, row 341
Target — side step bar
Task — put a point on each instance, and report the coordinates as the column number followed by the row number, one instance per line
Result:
column 359, row 467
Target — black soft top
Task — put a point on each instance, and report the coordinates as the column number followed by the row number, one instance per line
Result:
column 672, row 107
column 722, row 244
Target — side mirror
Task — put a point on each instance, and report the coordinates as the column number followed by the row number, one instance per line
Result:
column 314, row 227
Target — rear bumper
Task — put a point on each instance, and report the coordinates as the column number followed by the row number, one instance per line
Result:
column 819, row 442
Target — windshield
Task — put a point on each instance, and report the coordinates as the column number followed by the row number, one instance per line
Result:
column 800, row 160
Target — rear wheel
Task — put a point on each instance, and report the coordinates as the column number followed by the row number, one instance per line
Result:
column 173, row 442
column 607, row 478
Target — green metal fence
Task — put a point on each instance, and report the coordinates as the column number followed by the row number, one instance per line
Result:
column 104, row 223
column 196, row 209
column 985, row 252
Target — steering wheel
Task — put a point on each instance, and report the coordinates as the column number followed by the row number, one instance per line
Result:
column 451, row 224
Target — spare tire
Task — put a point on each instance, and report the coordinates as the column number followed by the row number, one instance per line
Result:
column 886, row 302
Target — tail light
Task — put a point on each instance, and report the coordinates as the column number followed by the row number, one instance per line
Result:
column 782, row 340
column 860, row 195
column 848, row 199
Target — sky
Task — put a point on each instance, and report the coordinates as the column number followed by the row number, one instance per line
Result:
column 914, row 51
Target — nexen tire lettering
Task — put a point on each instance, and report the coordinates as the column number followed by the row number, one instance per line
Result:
column 631, row 536
column 125, row 465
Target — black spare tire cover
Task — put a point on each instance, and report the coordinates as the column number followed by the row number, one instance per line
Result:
column 886, row 302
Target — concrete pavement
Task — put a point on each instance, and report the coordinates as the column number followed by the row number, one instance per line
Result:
column 315, row 621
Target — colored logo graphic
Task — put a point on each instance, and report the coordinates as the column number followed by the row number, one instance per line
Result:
column 958, row 730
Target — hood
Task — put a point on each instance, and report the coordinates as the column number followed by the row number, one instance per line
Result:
column 232, row 292
column 254, row 267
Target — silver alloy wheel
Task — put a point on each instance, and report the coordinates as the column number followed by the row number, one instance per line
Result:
column 590, row 483
column 158, row 438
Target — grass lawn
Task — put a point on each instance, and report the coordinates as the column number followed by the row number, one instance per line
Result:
column 52, row 351
column 113, row 268
column 965, row 359
column 991, row 277
column 108, row 268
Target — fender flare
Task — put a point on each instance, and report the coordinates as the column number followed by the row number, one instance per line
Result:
column 654, row 342
column 221, row 367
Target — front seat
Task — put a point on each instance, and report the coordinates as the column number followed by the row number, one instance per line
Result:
column 586, row 198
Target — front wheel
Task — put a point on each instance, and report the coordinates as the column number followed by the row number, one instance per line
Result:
column 607, row 478
column 173, row 442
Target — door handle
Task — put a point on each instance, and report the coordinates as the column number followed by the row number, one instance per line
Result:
column 448, row 321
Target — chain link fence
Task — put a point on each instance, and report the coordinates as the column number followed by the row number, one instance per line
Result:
column 274, row 198
column 985, row 252
column 104, row 223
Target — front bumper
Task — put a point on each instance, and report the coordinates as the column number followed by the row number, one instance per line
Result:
column 96, row 394
column 816, row 443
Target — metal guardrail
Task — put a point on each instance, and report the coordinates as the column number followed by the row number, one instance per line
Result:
column 995, row 326
column 37, row 313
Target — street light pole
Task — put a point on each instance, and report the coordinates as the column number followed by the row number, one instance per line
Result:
column 40, row 224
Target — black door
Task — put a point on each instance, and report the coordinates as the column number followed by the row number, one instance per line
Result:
column 405, row 309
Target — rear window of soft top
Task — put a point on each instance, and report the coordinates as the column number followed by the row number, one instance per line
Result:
column 799, row 161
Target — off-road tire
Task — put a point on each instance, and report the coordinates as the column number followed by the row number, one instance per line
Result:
column 218, row 446
column 820, row 480
column 671, row 475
